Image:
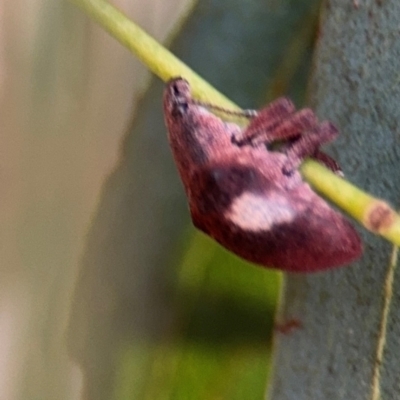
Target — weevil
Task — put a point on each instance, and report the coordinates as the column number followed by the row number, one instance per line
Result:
column 250, row 197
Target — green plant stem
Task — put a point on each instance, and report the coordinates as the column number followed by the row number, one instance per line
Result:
column 353, row 200
column 157, row 58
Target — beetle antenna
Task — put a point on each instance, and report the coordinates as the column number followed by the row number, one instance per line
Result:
column 239, row 113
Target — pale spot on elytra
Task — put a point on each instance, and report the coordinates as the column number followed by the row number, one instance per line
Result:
column 254, row 212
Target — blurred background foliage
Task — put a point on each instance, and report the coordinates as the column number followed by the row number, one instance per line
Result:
column 98, row 248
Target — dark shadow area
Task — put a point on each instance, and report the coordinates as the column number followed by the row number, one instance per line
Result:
column 229, row 321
